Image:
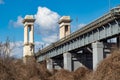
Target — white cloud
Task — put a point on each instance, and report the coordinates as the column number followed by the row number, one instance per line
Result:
column 17, row 23
column 46, row 25
column 46, row 20
column 50, row 39
column 1, row 2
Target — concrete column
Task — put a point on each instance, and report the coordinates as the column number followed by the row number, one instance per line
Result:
column 97, row 53
column 118, row 41
column 25, row 34
column 49, row 64
column 67, row 61
column 31, row 34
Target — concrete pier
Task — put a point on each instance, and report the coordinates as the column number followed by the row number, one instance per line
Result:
column 118, row 42
column 97, row 53
column 49, row 64
column 67, row 61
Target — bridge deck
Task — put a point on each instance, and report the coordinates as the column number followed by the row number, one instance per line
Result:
column 100, row 28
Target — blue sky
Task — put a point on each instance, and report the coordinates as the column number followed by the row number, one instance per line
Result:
column 13, row 11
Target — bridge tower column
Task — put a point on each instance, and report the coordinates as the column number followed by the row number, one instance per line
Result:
column 97, row 53
column 64, row 24
column 67, row 61
column 28, row 49
column 49, row 64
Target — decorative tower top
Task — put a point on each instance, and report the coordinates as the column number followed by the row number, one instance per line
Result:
column 65, row 19
column 64, row 24
column 29, row 19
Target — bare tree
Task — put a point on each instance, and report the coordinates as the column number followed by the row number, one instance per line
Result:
column 6, row 48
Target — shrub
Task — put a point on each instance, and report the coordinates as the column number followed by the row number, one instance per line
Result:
column 109, row 68
column 82, row 73
column 62, row 75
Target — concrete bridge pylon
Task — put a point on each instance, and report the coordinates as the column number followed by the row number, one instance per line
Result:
column 28, row 49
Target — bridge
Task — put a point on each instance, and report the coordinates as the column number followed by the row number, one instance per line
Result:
column 84, row 47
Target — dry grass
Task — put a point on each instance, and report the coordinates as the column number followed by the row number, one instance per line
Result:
column 82, row 73
column 62, row 75
column 109, row 68
column 11, row 69
column 14, row 69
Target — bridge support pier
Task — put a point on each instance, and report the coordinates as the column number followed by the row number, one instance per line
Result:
column 97, row 53
column 118, row 42
column 67, row 57
column 49, row 64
